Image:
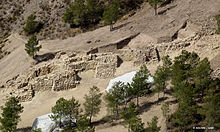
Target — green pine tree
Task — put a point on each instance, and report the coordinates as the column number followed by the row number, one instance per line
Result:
column 72, row 110
column 136, row 125
column 111, row 14
column 160, row 78
column 152, row 126
column 59, row 110
column 165, row 109
column 92, row 102
column 183, row 72
column 218, row 24
column 75, row 13
column 211, row 107
column 94, row 10
column 116, row 97
column 65, row 109
column 139, row 85
column 131, row 119
column 202, row 76
column 31, row 46
column 10, row 115
column 83, row 124
column 32, row 26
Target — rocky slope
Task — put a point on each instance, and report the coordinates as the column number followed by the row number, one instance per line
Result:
column 92, row 58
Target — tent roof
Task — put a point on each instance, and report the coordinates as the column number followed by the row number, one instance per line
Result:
column 126, row 78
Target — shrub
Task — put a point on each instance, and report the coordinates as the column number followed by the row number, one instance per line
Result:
column 10, row 115
column 75, row 14
column 31, row 46
column 32, row 26
column 218, row 24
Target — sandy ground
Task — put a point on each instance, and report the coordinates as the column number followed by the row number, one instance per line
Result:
column 42, row 102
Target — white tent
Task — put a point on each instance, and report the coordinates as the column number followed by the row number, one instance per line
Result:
column 45, row 123
column 126, row 78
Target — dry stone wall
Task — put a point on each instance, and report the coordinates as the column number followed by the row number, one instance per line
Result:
column 106, row 66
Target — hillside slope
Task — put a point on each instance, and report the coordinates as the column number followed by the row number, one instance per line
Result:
column 182, row 24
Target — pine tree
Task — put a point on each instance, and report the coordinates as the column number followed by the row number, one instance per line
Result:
column 111, row 14
column 59, row 110
column 131, row 119
column 160, row 78
column 202, row 76
column 165, row 109
column 183, row 80
column 94, row 10
column 211, row 107
column 218, row 24
column 167, row 62
column 116, row 97
column 31, row 46
column 139, row 85
column 136, row 125
column 92, row 102
column 152, row 126
column 72, row 110
column 32, row 26
column 65, row 109
column 10, row 115
column 183, row 72
column 75, row 13
column 155, row 3
column 83, row 123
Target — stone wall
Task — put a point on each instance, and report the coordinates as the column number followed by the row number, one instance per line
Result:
column 106, row 66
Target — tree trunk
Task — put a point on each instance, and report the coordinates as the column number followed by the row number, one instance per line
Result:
column 111, row 27
column 137, row 102
column 117, row 111
column 90, row 119
column 158, row 54
column 155, row 9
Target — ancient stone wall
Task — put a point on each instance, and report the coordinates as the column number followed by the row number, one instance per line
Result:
column 106, row 66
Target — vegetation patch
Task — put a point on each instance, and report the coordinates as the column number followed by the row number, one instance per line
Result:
column 218, row 24
column 32, row 26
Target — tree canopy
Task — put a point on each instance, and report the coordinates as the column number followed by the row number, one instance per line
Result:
column 32, row 26
column 139, row 85
column 31, row 47
column 116, row 97
column 111, row 14
column 92, row 102
column 10, row 115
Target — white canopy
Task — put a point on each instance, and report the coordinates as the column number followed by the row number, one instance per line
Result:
column 44, row 122
column 126, row 78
